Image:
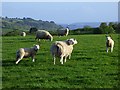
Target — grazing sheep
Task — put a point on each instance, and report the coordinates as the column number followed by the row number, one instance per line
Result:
column 62, row 49
column 63, row 32
column 23, row 34
column 43, row 34
column 109, row 43
column 27, row 52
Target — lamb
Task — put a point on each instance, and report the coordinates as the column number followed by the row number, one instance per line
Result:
column 109, row 43
column 23, row 34
column 43, row 34
column 27, row 52
column 63, row 32
column 62, row 49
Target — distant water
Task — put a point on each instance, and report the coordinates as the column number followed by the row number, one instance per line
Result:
column 81, row 25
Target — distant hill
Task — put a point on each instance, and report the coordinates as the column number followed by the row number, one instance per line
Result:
column 82, row 25
column 27, row 23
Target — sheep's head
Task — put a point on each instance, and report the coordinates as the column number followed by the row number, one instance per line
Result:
column 36, row 47
column 72, row 41
column 108, row 37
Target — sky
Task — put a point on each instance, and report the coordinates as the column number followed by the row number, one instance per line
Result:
column 63, row 12
column 60, row 0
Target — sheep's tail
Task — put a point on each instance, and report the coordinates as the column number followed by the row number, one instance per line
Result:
column 59, row 49
column 56, row 49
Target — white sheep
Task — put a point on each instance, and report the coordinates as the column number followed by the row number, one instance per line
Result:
column 23, row 34
column 109, row 43
column 43, row 34
column 63, row 32
column 62, row 49
column 27, row 52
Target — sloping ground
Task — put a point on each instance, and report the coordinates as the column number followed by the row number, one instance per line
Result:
column 89, row 67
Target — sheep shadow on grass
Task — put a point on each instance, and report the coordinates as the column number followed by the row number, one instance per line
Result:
column 83, row 58
column 7, row 63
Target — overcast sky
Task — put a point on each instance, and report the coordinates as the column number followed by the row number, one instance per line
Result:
column 63, row 12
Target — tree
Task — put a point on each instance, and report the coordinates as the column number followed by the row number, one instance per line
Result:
column 118, row 28
column 52, row 22
column 111, row 24
column 103, row 27
column 111, row 29
column 97, row 31
column 6, row 17
column 87, row 28
column 106, row 29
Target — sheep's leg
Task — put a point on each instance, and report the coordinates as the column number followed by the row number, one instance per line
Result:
column 33, row 59
column 69, row 56
column 107, row 49
column 54, row 59
column 111, row 49
column 35, row 38
column 66, row 58
column 18, row 60
column 61, row 60
column 38, row 39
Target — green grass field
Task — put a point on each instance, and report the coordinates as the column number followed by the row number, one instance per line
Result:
column 89, row 67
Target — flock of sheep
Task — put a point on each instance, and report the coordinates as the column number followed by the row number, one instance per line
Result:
column 61, row 49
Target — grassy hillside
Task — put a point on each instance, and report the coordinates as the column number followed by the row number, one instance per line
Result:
column 89, row 67
column 24, row 24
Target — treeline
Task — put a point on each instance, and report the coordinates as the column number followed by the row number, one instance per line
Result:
column 104, row 28
column 13, row 26
column 27, row 23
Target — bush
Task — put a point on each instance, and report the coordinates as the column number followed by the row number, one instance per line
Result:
column 12, row 33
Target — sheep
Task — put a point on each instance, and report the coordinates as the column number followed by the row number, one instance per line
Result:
column 43, row 34
column 63, row 32
column 109, row 43
column 62, row 49
column 26, row 52
column 23, row 34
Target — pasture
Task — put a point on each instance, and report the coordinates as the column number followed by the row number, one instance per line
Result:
column 89, row 67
